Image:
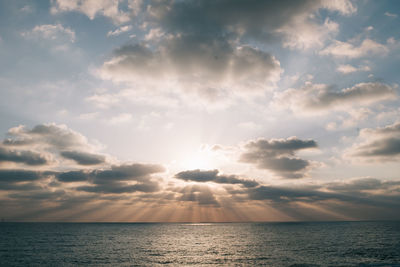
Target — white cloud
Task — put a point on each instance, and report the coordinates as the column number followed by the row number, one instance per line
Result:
column 51, row 32
column 307, row 35
column 92, row 8
column 347, row 69
column 119, row 30
column 367, row 47
column 354, row 118
column 345, row 7
column 388, row 14
column 27, row 9
column 120, row 118
column 303, row 33
column 103, row 100
column 154, row 34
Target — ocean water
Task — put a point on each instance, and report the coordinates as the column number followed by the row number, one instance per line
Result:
column 219, row 244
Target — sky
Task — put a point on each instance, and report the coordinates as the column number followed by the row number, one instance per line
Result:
column 188, row 111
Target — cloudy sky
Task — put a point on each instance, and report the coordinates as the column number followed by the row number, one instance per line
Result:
column 224, row 110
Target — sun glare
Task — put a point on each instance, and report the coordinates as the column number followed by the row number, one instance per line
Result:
column 204, row 158
column 199, row 160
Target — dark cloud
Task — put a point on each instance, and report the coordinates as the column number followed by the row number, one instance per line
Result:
column 276, row 147
column 120, row 188
column 117, row 179
column 83, row 158
column 22, row 156
column 381, row 144
column 277, row 155
column 20, row 180
column 128, row 172
column 313, row 97
column 61, row 141
column 282, row 194
column 362, row 92
column 201, row 194
column 259, row 20
column 48, row 141
column 38, row 195
column 213, row 176
column 204, row 66
column 362, row 184
column 29, row 189
column 383, row 148
column 210, row 48
column 389, row 129
column 50, row 135
column 19, row 175
column 28, row 186
column 364, row 191
column 281, row 164
column 73, row 176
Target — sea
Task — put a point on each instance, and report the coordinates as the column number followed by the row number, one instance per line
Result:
column 200, row 244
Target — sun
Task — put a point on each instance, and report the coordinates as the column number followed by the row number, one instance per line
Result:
column 197, row 161
column 204, row 158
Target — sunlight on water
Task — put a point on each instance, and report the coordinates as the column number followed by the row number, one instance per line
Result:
column 230, row 244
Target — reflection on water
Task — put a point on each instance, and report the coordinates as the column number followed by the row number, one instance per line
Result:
column 249, row 244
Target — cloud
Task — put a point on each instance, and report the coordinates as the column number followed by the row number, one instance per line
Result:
column 121, row 188
column 377, row 145
column 51, row 32
column 308, row 35
column 27, row 9
column 257, row 20
column 347, row 69
column 136, row 171
column 392, row 15
column 278, row 155
column 365, row 191
column 321, row 97
column 52, row 135
column 366, row 48
column 348, row 198
column 367, row 184
column 116, row 180
column 108, row 8
column 355, row 116
column 209, row 49
column 353, row 198
column 206, row 67
column 126, row 172
column 16, row 175
column 120, row 118
column 119, row 30
column 21, row 180
column 83, row 158
column 47, row 144
column 21, row 156
column 73, row 176
column 213, row 176
column 201, row 194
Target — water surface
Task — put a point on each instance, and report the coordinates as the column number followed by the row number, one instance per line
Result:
column 225, row 244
